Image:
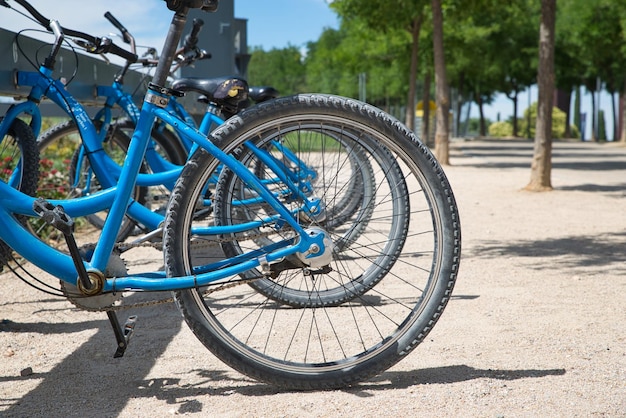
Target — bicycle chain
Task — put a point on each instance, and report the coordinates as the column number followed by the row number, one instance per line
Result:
column 74, row 299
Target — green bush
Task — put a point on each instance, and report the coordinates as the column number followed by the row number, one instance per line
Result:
column 574, row 133
column 558, row 123
column 501, row 129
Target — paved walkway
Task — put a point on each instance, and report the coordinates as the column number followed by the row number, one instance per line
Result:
column 536, row 325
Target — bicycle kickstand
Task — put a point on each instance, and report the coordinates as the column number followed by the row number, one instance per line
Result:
column 122, row 335
column 56, row 216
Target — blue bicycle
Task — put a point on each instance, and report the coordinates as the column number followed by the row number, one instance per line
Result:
column 330, row 307
column 66, row 152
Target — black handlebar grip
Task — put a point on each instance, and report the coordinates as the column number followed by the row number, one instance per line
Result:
column 45, row 22
column 197, row 26
column 118, row 25
column 121, row 52
column 191, row 40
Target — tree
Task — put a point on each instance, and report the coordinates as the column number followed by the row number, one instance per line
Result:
column 336, row 59
column 491, row 46
column 387, row 15
column 442, row 131
column 541, row 167
column 593, row 32
column 328, row 66
column 282, row 69
column 516, row 46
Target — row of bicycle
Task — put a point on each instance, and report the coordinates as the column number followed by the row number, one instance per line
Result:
column 309, row 241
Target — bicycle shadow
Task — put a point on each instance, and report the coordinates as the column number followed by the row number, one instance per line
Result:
column 89, row 381
column 116, row 381
column 186, row 397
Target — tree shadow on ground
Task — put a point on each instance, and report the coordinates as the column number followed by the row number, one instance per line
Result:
column 503, row 155
column 572, row 251
column 518, row 160
column 595, row 188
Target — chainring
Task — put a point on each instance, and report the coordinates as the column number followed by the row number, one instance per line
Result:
column 105, row 301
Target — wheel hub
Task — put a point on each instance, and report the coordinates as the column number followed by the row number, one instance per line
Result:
column 320, row 253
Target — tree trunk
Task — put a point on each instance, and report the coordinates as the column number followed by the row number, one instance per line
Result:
column 482, row 130
column 615, row 118
column 442, row 132
column 541, row 167
column 515, row 124
column 426, row 110
column 514, row 99
column 459, row 106
column 577, row 112
column 594, row 119
column 623, row 114
column 562, row 101
column 410, row 107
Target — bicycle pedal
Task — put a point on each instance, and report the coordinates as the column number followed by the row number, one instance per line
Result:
column 122, row 334
column 54, row 215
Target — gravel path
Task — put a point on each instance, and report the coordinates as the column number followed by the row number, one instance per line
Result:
column 536, row 325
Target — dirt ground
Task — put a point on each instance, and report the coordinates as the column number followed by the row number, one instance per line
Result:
column 536, row 325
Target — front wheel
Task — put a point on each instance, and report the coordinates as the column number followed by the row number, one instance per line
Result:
column 320, row 345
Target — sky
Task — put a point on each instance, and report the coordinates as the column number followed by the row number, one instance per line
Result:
column 279, row 23
column 271, row 24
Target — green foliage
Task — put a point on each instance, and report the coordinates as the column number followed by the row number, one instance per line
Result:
column 7, row 165
column 334, row 62
column 591, row 34
column 491, row 47
column 558, row 122
column 501, row 129
column 282, row 69
column 380, row 15
column 575, row 133
column 577, row 108
column 52, row 182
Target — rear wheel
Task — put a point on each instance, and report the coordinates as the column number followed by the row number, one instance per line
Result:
column 356, row 180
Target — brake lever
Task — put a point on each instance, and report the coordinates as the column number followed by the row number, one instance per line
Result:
column 151, row 52
column 98, row 48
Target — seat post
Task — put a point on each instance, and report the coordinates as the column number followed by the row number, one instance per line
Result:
column 172, row 40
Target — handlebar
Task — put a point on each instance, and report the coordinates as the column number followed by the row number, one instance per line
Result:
column 186, row 55
column 99, row 45
column 125, row 34
column 128, row 38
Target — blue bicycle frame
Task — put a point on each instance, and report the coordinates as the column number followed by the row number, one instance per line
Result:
column 117, row 198
column 164, row 172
